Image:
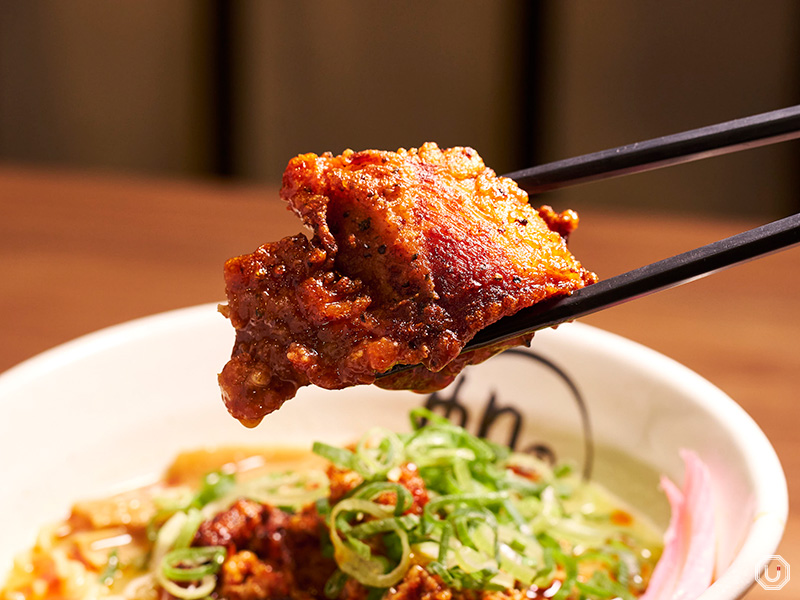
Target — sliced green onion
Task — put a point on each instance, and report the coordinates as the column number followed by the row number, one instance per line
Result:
column 463, row 476
column 439, row 457
column 468, row 535
column 486, row 538
column 419, row 415
column 290, row 490
column 323, row 506
column 578, row 532
column 529, row 507
column 370, row 491
column 112, row 568
column 517, row 517
column 563, row 470
column 472, row 561
column 627, row 566
column 341, row 457
column 215, row 485
column 195, row 568
column 424, row 442
column 524, row 544
column 360, row 548
column 191, row 592
column 523, row 485
column 188, row 529
column 370, row 571
column 335, row 584
column 427, row 550
column 166, row 537
column 483, row 450
column 503, row 581
column 434, row 506
column 549, row 512
column 174, row 501
column 570, row 574
column 192, row 564
column 378, row 452
column 370, row 528
column 513, row 564
column 438, row 569
column 600, row 585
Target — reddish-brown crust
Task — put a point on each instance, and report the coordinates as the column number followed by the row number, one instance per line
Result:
column 422, row 380
column 234, row 527
column 418, row 584
column 409, row 477
column 271, row 553
column 246, row 577
column 412, row 253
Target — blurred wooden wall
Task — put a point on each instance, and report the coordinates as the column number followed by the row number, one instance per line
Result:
column 354, row 74
column 91, row 83
column 212, row 88
column 623, row 71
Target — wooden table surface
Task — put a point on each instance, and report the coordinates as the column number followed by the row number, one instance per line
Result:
column 82, row 251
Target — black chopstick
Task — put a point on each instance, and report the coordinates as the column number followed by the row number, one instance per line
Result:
column 667, row 273
column 714, row 140
column 705, row 142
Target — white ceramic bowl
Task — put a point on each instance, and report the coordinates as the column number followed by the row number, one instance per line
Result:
column 110, row 410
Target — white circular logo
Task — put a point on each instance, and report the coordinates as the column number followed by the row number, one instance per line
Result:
column 773, row 573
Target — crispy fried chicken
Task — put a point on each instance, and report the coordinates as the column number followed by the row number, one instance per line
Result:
column 412, row 253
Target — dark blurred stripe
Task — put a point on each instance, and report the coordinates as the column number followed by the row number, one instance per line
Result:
column 223, row 133
column 531, row 108
column 795, row 87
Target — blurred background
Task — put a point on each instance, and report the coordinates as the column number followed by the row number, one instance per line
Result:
column 231, row 90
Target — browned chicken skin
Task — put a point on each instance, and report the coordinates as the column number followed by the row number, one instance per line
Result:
column 412, row 253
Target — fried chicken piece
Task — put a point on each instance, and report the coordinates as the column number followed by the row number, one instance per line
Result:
column 232, row 527
column 246, row 577
column 272, row 553
column 412, row 253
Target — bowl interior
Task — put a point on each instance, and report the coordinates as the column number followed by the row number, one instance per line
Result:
column 110, row 410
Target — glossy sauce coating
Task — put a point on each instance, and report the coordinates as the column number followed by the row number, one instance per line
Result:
column 412, row 253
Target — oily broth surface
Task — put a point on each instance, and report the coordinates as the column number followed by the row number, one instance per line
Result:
column 67, row 556
column 108, row 517
column 246, row 461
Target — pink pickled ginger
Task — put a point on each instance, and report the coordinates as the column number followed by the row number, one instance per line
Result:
column 686, row 566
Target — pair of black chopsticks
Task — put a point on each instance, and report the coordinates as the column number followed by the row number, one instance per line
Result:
column 715, row 140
